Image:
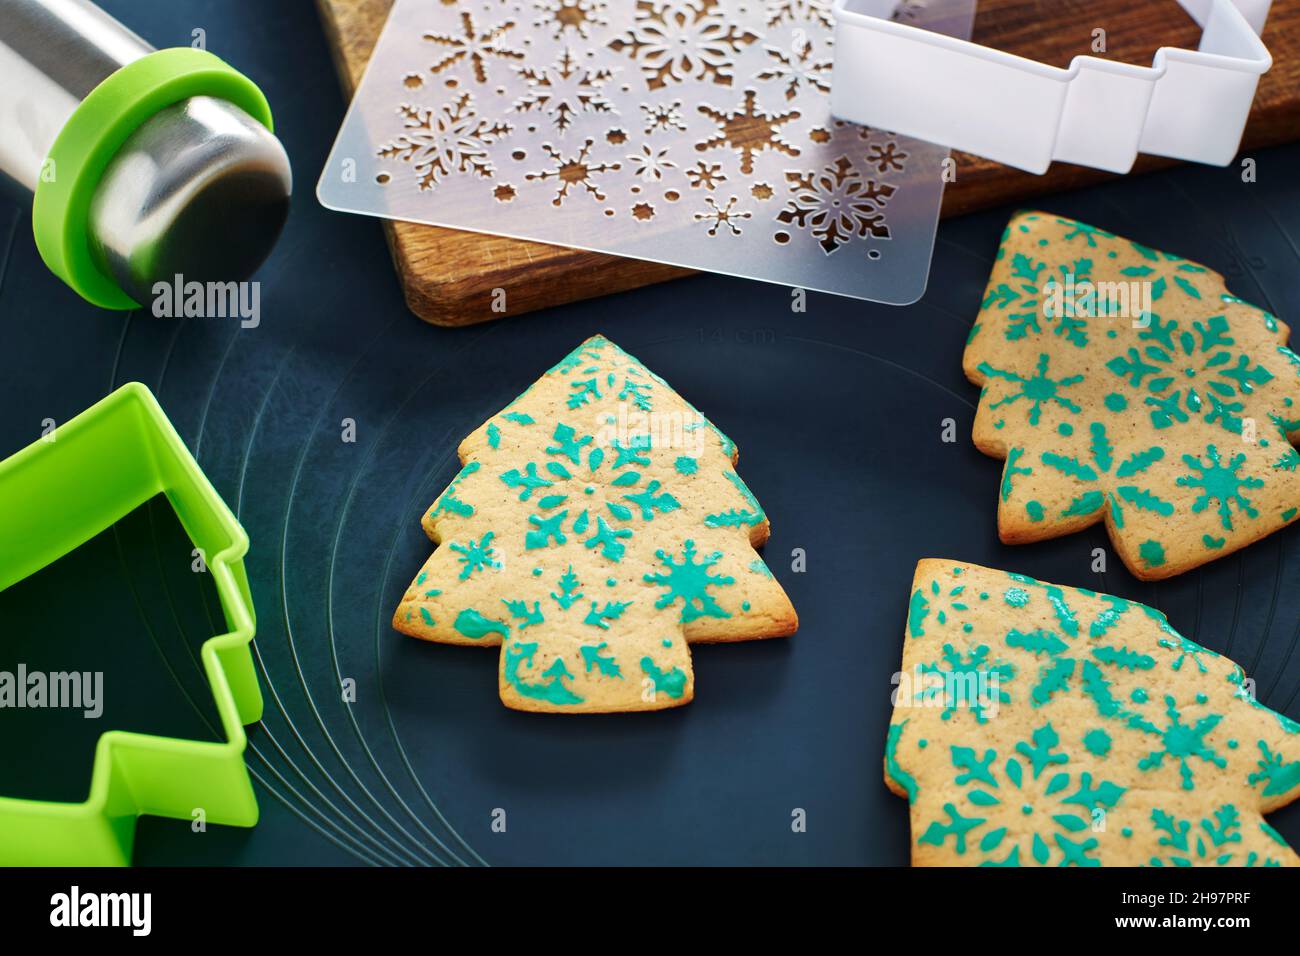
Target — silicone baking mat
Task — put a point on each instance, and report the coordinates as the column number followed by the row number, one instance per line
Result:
column 839, row 415
column 691, row 132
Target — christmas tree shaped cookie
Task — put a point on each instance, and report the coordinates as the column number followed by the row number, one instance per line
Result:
column 597, row 527
column 1126, row 385
column 1044, row 725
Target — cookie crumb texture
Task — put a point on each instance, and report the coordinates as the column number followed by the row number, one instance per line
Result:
column 597, row 527
column 1038, row 725
column 1177, row 432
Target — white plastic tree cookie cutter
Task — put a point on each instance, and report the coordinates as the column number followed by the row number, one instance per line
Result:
column 1189, row 104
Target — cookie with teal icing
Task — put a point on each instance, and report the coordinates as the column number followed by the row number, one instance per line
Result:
column 1126, row 385
column 597, row 527
column 1039, row 725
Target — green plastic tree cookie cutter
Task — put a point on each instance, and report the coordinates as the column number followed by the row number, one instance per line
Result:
column 55, row 495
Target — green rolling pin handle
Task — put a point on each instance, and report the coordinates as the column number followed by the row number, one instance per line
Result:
column 77, row 221
column 142, row 165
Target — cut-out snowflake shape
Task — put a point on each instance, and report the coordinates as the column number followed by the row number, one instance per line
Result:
column 577, row 16
column 886, row 157
column 663, row 117
column 689, row 581
column 798, row 68
column 1220, row 481
column 477, row 46
column 719, row 216
column 449, row 139
column 568, row 171
column 837, row 205
column 748, row 130
column 799, row 11
column 649, row 165
column 705, row 175
column 564, row 90
column 676, row 40
column 1179, row 741
column 1039, row 389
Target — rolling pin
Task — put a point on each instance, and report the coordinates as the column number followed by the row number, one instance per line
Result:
column 141, row 165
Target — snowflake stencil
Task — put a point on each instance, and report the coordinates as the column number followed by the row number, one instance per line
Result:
column 799, row 11
column 719, row 217
column 649, row 165
column 663, row 117
column 748, row 130
column 705, row 175
column 886, row 157
column 837, row 205
column 799, row 70
column 560, row 17
column 477, row 46
column 728, row 97
column 568, row 171
column 564, row 91
column 443, row 141
column 676, row 40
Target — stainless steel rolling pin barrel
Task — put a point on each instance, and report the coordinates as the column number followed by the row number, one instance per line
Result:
column 199, row 188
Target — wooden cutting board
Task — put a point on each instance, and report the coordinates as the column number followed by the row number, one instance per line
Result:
column 449, row 276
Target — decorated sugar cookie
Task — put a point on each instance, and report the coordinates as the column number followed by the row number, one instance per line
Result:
column 1126, row 385
column 598, row 525
column 1044, row 725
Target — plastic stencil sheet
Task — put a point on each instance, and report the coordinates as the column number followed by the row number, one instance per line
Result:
column 691, row 132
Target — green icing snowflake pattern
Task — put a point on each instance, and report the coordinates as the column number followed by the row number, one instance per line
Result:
column 689, row 581
column 1220, row 481
column 1036, row 390
column 571, row 474
column 593, row 478
column 1101, row 471
column 1214, row 841
column 1210, row 374
column 966, row 679
column 1128, row 370
column 1051, row 801
column 1034, row 806
column 1180, row 741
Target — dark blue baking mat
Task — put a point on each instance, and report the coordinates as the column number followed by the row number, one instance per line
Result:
column 838, row 412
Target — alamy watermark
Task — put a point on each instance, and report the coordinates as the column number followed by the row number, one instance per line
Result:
column 55, row 690
column 209, row 300
column 1076, row 297
column 638, row 429
column 975, row 689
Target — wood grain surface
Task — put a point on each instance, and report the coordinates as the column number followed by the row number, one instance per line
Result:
column 448, row 276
